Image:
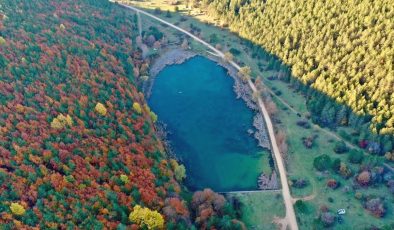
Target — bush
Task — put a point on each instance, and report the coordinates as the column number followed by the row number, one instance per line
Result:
column 327, row 219
column 332, row 183
column 376, row 207
column 308, row 141
column 235, row 52
column 299, row 183
column 340, row 147
column 364, row 178
column 322, row 162
column 157, row 10
column 168, row 14
column 213, row 38
column 336, row 165
column 358, row 195
column 303, row 123
column 389, row 156
column 345, row 171
column 301, row 207
column 355, row 156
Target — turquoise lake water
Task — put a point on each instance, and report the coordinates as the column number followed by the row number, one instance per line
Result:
column 208, row 126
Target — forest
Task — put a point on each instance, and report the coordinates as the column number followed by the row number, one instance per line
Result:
column 343, row 49
column 77, row 140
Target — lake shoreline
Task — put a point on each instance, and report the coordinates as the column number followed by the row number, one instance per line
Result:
column 174, row 56
column 178, row 56
column 242, row 90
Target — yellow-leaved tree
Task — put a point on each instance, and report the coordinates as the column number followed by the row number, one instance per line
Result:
column 244, row 73
column 228, row 57
column 137, row 107
column 62, row 27
column 2, row 41
column 100, row 109
column 179, row 170
column 124, row 178
column 17, row 209
column 61, row 121
column 153, row 116
column 145, row 217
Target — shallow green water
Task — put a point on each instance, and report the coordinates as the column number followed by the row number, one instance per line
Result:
column 208, row 125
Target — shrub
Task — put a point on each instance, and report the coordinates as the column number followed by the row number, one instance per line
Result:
column 327, row 219
column 303, row 123
column 157, row 10
column 235, row 52
column 358, row 195
column 168, row 14
column 376, row 207
column 364, row 178
column 336, row 165
column 323, row 208
column 389, row 156
column 228, row 57
column 345, row 171
column 340, row 147
column 355, row 156
column 300, row 206
column 332, row 183
column 213, row 38
column 308, row 141
column 322, row 162
column 299, row 183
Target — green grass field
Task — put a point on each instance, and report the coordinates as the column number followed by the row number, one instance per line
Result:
column 261, row 208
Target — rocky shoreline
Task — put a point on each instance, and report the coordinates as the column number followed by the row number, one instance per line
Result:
column 171, row 57
column 242, row 90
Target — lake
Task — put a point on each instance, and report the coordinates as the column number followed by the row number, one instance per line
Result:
column 208, row 126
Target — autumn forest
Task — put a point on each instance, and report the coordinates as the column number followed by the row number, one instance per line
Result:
column 196, row 114
column 77, row 142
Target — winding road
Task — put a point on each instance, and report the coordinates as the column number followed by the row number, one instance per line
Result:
column 290, row 218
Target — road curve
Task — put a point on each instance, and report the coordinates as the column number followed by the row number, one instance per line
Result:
column 290, row 214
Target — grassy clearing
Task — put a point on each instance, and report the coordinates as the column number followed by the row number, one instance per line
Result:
column 260, row 209
column 301, row 166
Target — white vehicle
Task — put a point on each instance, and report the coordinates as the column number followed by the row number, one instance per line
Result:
column 341, row 211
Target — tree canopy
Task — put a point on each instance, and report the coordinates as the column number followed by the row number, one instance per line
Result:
column 341, row 48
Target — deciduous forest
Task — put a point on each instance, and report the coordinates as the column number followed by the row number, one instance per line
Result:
column 77, row 140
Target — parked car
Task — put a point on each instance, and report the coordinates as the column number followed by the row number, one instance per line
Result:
column 341, row 211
